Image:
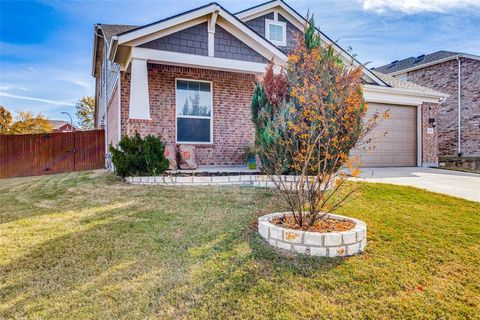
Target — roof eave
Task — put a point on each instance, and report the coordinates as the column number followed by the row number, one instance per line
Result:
column 94, row 52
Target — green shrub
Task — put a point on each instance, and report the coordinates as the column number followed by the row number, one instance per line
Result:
column 135, row 156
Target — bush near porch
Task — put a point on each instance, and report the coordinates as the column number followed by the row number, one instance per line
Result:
column 85, row 245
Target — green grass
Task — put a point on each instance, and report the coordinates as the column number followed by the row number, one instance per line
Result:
column 85, row 245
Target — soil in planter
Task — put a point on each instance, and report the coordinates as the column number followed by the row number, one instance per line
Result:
column 325, row 225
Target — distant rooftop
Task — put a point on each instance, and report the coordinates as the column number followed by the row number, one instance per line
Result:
column 58, row 123
column 411, row 62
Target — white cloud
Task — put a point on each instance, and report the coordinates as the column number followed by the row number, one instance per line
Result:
column 414, row 6
column 48, row 101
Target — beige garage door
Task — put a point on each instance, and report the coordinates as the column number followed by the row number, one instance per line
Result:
column 394, row 141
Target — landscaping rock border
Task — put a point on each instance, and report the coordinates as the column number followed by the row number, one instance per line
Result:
column 254, row 180
column 328, row 244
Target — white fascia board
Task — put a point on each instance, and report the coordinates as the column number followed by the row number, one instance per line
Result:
column 399, row 96
column 145, row 31
column 112, row 48
column 421, row 66
column 94, row 52
column 197, row 61
column 167, row 31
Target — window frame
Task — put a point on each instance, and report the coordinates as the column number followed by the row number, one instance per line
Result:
column 194, row 117
column 269, row 22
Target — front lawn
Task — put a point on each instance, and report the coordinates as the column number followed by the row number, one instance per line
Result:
column 85, row 245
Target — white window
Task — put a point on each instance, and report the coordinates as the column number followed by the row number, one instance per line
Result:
column 276, row 32
column 194, row 111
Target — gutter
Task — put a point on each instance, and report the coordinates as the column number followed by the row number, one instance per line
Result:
column 438, row 95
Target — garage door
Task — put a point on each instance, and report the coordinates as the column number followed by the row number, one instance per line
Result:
column 394, row 140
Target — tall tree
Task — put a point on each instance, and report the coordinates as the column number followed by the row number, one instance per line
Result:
column 308, row 118
column 5, row 120
column 26, row 123
column 86, row 112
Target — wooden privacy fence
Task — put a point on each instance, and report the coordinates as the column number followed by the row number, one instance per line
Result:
column 39, row 154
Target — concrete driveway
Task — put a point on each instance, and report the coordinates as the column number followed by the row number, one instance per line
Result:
column 453, row 183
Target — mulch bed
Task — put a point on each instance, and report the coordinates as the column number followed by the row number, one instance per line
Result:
column 324, row 225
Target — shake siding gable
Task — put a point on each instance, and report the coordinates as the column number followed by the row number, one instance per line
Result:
column 229, row 47
column 193, row 40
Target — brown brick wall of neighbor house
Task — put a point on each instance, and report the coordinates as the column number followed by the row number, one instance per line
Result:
column 443, row 77
column 429, row 141
column 232, row 127
column 112, row 119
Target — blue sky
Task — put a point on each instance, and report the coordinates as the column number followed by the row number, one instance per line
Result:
column 46, row 46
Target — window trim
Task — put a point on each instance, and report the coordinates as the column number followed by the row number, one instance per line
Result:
column 269, row 22
column 194, row 117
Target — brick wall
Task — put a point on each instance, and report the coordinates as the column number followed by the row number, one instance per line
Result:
column 443, row 77
column 429, row 140
column 232, row 127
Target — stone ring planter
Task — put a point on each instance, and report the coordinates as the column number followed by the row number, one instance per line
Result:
column 327, row 244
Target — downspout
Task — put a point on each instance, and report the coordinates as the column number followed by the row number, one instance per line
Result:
column 104, row 84
column 459, row 118
column 119, row 105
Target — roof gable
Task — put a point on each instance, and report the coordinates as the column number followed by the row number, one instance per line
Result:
column 300, row 22
column 145, row 34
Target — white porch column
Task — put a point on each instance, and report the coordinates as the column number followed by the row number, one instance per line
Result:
column 212, row 20
column 139, row 101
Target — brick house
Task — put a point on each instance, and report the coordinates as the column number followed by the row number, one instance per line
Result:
column 189, row 78
column 458, row 75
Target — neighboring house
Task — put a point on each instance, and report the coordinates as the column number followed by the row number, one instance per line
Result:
column 61, row 126
column 189, row 78
column 458, row 75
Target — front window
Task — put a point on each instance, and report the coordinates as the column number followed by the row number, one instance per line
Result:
column 194, row 111
column 276, row 32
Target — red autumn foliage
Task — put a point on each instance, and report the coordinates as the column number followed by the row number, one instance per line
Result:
column 275, row 85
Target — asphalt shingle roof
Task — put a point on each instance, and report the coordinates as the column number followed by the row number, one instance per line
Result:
column 111, row 30
column 397, row 83
column 399, row 65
